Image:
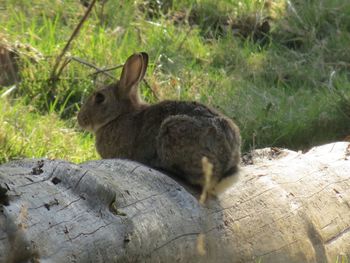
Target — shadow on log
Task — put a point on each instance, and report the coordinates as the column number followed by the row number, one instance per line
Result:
column 286, row 207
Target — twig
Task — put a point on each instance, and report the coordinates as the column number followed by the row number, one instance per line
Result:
column 92, row 66
column 104, row 71
column 107, row 69
column 65, row 63
column 185, row 38
column 291, row 7
column 150, row 88
column 55, row 76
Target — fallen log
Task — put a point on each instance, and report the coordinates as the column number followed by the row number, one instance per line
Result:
column 286, row 207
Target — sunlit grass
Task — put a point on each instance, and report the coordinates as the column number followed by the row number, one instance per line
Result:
column 25, row 133
column 290, row 90
column 342, row 259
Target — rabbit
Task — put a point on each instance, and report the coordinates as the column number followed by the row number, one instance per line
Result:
column 171, row 135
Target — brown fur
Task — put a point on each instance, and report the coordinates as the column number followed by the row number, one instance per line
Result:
column 170, row 135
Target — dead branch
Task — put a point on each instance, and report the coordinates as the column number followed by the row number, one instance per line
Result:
column 150, row 88
column 55, row 75
column 98, row 70
column 107, row 69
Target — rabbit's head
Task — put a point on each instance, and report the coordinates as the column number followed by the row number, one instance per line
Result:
column 108, row 103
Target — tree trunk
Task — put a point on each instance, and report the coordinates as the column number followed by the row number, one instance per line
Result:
column 286, row 207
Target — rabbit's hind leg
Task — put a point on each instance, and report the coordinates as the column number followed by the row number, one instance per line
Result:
column 180, row 147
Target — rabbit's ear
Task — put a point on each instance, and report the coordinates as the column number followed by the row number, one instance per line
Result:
column 133, row 72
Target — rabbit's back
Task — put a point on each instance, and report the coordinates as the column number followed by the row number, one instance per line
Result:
column 175, row 136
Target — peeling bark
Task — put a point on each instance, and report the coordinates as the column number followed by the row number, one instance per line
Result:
column 286, row 207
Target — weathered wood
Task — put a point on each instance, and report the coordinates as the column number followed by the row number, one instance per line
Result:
column 286, row 207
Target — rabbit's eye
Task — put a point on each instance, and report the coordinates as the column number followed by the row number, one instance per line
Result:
column 99, row 98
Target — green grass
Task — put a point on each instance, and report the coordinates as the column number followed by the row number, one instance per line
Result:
column 342, row 259
column 289, row 88
column 25, row 133
column 339, row 259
